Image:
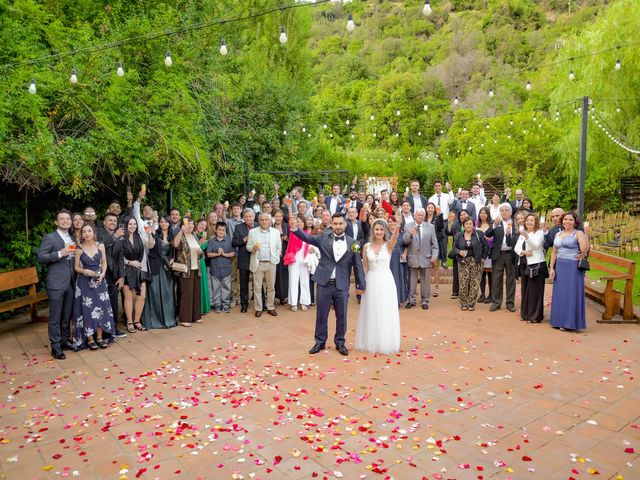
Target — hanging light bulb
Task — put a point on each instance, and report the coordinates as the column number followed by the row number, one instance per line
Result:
column 120, row 70
column 372, row 118
column 618, row 109
column 487, row 126
column 375, row 134
column 283, row 35
column 397, row 134
column 456, row 100
column 331, row 135
column 398, row 112
column 528, row 87
column 304, row 129
column 223, row 47
column 557, row 115
column 534, row 119
column 284, row 132
column 426, row 107
column 324, row 125
column 419, row 134
column 167, row 59
column 491, row 93
column 511, row 122
column 32, row 87
column 73, row 79
column 464, row 129
column 618, row 65
column 350, row 25
column 353, row 136
column 571, row 75
column 347, row 122
column 426, row 10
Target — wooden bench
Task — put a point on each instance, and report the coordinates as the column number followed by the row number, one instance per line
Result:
column 25, row 277
column 609, row 296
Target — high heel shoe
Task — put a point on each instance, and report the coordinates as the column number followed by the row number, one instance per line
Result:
column 130, row 328
column 139, row 326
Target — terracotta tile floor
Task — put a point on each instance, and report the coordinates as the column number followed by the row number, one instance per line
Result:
column 472, row 395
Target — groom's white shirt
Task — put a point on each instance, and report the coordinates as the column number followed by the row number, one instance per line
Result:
column 339, row 249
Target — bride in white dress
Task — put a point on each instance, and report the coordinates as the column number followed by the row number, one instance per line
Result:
column 378, row 329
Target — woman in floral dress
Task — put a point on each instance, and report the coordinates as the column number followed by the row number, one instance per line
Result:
column 93, row 318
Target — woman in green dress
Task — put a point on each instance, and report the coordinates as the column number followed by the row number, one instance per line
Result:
column 201, row 234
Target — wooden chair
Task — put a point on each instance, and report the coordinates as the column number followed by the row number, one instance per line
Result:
column 25, row 277
column 609, row 296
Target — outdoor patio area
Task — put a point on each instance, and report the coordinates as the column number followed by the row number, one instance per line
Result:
column 472, row 395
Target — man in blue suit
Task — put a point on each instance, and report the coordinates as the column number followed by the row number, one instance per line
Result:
column 336, row 202
column 59, row 258
column 337, row 257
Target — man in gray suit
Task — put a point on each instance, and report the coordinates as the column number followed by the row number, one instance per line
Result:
column 56, row 254
column 422, row 256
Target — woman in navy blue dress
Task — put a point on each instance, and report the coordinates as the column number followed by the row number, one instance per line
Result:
column 398, row 268
column 567, row 303
column 93, row 317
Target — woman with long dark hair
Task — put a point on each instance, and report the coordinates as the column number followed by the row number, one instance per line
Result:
column 485, row 224
column 132, row 256
column 568, row 303
column 77, row 223
column 530, row 248
column 160, row 306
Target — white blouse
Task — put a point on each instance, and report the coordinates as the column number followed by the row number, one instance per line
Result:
column 535, row 243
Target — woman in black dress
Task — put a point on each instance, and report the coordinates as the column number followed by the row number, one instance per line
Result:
column 282, row 271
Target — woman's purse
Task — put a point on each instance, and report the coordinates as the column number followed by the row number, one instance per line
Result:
column 532, row 271
column 583, row 263
column 179, row 267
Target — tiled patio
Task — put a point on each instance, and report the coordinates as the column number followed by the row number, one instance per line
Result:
column 472, row 395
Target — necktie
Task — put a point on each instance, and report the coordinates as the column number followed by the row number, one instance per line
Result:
column 438, row 199
column 339, row 238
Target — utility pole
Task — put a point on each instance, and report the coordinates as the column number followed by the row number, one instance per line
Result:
column 583, row 156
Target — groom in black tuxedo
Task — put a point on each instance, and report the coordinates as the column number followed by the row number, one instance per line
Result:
column 337, row 257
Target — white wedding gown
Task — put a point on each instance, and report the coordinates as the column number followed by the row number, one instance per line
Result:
column 378, row 329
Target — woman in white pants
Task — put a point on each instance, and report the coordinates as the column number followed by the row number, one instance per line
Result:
column 297, row 250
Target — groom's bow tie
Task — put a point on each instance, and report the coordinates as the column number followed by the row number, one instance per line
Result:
column 339, row 238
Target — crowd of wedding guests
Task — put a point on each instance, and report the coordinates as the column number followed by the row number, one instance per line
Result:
column 171, row 270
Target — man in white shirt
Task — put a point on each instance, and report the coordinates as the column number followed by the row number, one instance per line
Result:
column 477, row 197
column 443, row 202
column 335, row 203
column 265, row 246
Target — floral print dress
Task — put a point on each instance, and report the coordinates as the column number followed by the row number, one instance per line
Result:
column 91, row 306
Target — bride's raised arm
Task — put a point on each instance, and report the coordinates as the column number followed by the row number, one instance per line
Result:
column 394, row 238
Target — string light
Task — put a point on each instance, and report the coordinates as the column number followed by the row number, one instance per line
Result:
column 347, row 122
column 426, row 107
column 350, row 25
column 120, row 70
column 426, row 10
column 32, row 87
column 73, row 79
column 372, row 118
column 571, row 75
column 284, row 132
column 618, row 65
column 456, row 100
column 324, row 125
column 283, row 35
column 398, row 113
column 491, row 93
column 528, row 87
column 167, row 59
column 223, row 47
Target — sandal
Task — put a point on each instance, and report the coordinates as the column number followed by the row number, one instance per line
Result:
column 435, row 293
column 130, row 328
column 139, row 326
column 102, row 343
column 92, row 345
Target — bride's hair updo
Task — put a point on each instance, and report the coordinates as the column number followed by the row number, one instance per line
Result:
column 385, row 226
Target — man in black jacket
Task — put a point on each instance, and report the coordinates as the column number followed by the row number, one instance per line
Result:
column 110, row 234
column 502, row 259
column 239, row 241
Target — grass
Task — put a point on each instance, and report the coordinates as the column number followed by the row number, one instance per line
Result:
column 594, row 275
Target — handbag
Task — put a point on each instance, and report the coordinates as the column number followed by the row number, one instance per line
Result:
column 532, row 271
column 583, row 263
column 179, row 267
column 289, row 258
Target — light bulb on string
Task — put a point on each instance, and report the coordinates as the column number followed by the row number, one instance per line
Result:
column 618, row 64
column 73, row 79
column 557, row 115
column 617, row 108
column 491, row 94
column 456, row 100
column 350, row 25
column 426, row 10
column 426, row 107
column 487, row 126
column 375, row 134
column 283, row 36
column 511, row 123
column 347, row 122
column 324, row 125
column 528, row 86
column 534, row 119
column 397, row 134
column 167, row 59
column 32, row 87
column 398, row 113
column 309, row 135
column 284, row 132
column 331, row 135
column 353, row 136
column 304, row 129
column 419, row 134
column 464, row 129
column 120, row 70
column 571, row 75
column 223, row 47
column 372, row 118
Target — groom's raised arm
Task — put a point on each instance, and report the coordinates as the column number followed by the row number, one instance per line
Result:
column 305, row 237
column 361, row 284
